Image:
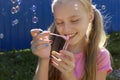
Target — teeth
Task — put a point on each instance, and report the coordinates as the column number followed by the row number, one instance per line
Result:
column 71, row 35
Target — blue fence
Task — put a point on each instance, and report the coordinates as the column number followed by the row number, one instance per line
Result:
column 18, row 18
column 110, row 10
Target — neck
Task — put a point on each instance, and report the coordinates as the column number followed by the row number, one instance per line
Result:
column 77, row 48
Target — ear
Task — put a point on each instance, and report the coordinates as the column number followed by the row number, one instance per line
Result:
column 91, row 16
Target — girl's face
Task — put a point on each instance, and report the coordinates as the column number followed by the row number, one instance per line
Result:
column 71, row 20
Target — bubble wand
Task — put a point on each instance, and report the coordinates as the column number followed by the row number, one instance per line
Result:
column 64, row 37
column 66, row 43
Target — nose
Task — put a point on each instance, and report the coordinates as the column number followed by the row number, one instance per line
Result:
column 67, row 28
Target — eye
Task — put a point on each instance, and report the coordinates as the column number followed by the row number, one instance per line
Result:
column 59, row 23
column 76, row 20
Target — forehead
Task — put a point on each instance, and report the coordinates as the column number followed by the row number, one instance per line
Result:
column 68, row 7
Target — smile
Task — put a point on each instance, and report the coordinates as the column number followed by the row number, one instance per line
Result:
column 72, row 35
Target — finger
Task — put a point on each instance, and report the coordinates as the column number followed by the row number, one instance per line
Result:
column 34, row 32
column 63, row 59
column 41, row 42
column 67, row 54
column 58, row 67
column 42, row 46
column 38, row 49
column 61, row 56
column 42, row 36
column 56, row 54
column 59, row 64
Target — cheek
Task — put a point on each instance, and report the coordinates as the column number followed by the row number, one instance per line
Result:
column 82, row 31
column 82, row 28
column 85, row 25
column 59, row 30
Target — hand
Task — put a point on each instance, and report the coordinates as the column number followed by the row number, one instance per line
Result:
column 40, row 44
column 65, row 63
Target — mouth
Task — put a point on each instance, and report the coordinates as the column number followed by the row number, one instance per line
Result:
column 72, row 35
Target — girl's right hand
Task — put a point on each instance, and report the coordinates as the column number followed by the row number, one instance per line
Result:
column 40, row 44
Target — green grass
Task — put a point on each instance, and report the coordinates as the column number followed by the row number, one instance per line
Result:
column 114, row 48
column 111, row 78
column 21, row 64
column 17, row 65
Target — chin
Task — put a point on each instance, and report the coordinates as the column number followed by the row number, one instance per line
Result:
column 74, row 41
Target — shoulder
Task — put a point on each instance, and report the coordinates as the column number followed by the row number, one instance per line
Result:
column 103, row 60
column 103, row 53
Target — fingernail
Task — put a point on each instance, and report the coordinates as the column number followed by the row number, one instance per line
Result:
column 47, row 45
column 61, row 51
column 51, row 41
column 47, row 32
column 50, row 57
column 53, row 52
column 40, row 30
column 51, row 61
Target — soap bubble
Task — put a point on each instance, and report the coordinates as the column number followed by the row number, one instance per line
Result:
column 1, row 35
column 15, row 22
column 13, row 1
column 103, row 7
column 33, row 8
column 35, row 19
column 19, row 2
column 15, row 9
column 16, row 1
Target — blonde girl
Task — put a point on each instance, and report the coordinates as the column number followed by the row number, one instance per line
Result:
column 85, row 58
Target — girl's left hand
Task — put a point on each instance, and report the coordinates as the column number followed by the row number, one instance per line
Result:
column 64, row 62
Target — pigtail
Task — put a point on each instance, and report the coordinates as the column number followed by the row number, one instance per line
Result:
column 96, row 36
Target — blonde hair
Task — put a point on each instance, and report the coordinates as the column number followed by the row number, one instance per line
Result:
column 96, row 39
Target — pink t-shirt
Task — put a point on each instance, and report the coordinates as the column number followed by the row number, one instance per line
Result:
column 103, row 63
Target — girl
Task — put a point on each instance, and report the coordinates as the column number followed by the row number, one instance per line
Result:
column 85, row 58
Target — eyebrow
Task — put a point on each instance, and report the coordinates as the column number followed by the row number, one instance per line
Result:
column 69, row 17
column 74, row 16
